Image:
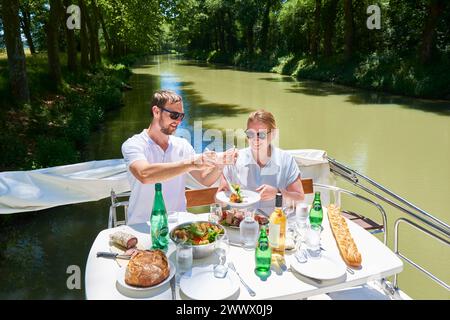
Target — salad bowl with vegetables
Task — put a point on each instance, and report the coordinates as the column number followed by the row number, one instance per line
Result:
column 200, row 234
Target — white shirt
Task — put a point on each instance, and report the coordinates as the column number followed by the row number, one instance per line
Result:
column 280, row 172
column 142, row 147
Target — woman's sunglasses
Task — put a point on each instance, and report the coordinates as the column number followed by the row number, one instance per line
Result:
column 173, row 114
column 260, row 134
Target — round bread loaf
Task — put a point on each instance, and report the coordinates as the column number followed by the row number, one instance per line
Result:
column 147, row 269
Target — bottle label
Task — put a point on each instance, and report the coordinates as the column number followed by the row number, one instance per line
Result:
column 274, row 234
column 162, row 232
column 263, row 245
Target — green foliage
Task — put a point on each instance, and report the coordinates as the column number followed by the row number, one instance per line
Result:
column 54, row 151
column 135, row 24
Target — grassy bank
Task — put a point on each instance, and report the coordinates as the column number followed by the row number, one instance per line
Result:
column 380, row 72
column 54, row 128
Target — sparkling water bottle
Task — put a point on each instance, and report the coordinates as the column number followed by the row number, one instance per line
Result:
column 158, row 222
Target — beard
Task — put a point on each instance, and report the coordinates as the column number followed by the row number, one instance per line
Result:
column 167, row 130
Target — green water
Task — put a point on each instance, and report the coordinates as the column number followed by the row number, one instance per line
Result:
column 402, row 143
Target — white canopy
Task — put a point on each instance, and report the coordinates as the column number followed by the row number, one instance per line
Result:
column 33, row 190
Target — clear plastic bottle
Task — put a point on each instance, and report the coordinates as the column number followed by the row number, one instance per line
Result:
column 249, row 231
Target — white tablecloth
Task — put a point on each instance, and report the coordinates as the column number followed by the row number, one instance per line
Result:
column 378, row 261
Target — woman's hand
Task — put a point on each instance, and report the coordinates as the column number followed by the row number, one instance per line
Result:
column 267, row 192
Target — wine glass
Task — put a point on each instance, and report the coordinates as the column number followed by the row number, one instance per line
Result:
column 222, row 248
column 215, row 213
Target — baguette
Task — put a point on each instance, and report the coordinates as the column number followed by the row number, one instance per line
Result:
column 344, row 240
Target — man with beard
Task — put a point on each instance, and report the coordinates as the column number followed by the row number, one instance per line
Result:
column 156, row 155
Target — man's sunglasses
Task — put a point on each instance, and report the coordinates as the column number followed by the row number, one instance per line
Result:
column 260, row 134
column 173, row 114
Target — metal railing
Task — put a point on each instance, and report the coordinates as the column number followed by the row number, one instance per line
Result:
column 405, row 206
column 337, row 197
column 417, row 266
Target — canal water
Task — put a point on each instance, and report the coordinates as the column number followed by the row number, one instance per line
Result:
column 402, row 143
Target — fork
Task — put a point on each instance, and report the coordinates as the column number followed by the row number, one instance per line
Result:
column 250, row 291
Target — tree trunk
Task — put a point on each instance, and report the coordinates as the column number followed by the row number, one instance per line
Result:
column 95, row 28
column 435, row 9
column 92, row 25
column 25, row 23
column 265, row 26
column 92, row 33
column 52, row 27
column 71, row 43
column 14, row 48
column 348, row 29
column 316, row 30
column 329, row 27
column 250, row 41
column 84, row 41
column 105, row 31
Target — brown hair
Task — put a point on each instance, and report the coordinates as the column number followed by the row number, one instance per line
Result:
column 262, row 116
column 161, row 97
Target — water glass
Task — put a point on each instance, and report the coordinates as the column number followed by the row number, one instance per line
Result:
column 313, row 241
column 172, row 216
column 222, row 248
column 215, row 213
column 301, row 213
column 184, row 258
column 301, row 218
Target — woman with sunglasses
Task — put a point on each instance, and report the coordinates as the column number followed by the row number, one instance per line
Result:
column 263, row 167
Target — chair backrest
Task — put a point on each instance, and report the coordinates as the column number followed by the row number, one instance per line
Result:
column 308, row 186
column 204, row 197
column 194, row 198
column 200, row 197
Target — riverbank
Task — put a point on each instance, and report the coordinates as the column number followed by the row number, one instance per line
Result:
column 54, row 128
column 388, row 73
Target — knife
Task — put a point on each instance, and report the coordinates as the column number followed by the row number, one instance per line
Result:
column 113, row 255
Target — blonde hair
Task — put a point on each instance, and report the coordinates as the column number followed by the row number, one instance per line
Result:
column 264, row 117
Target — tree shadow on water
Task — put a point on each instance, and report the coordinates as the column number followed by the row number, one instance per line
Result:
column 365, row 97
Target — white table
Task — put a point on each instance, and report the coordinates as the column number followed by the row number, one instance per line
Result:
column 378, row 261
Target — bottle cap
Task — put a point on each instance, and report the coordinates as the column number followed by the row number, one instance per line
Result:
column 158, row 186
column 279, row 200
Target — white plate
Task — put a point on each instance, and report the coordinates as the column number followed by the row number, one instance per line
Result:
column 202, row 285
column 121, row 279
column 325, row 268
column 249, row 198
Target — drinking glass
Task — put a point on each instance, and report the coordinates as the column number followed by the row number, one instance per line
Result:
column 172, row 216
column 301, row 217
column 184, row 258
column 215, row 213
column 313, row 241
column 222, row 248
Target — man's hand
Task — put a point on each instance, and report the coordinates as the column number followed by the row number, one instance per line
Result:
column 267, row 192
column 203, row 161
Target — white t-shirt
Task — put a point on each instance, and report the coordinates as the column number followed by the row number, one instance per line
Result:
column 280, row 172
column 142, row 147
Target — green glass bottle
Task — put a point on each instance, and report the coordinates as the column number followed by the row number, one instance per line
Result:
column 316, row 212
column 263, row 255
column 158, row 222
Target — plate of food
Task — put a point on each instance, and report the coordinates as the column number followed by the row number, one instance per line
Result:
column 200, row 234
column 147, row 270
column 233, row 217
column 238, row 199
